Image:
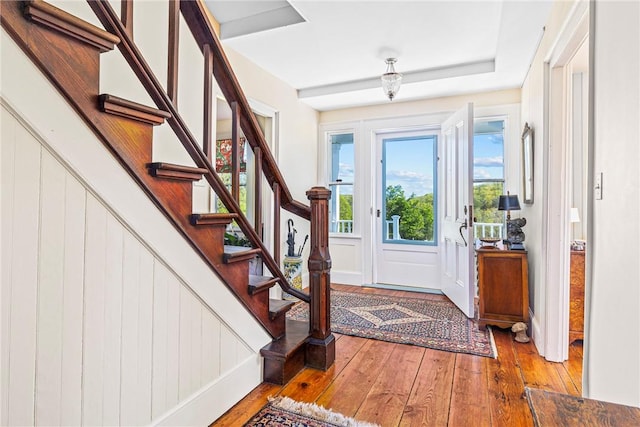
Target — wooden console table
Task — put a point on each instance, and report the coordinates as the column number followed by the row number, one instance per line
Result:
column 503, row 287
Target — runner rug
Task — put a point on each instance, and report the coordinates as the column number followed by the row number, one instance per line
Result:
column 432, row 322
column 283, row 411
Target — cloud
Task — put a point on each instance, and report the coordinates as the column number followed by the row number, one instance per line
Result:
column 346, row 170
column 412, row 182
column 488, row 162
column 495, row 139
column 481, row 174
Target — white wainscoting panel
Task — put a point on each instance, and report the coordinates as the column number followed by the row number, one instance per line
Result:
column 97, row 328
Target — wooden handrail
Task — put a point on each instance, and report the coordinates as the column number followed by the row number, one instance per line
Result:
column 200, row 26
column 132, row 55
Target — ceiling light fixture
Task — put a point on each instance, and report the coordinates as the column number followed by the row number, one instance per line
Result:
column 391, row 80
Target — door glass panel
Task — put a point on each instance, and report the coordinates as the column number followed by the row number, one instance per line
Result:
column 409, row 183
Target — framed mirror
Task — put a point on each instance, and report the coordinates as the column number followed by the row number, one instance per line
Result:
column 527, row 164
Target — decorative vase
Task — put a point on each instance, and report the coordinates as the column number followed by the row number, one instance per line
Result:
column 293, row 274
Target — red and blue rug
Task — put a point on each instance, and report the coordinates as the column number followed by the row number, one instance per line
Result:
column 283, row 411
column 432, row 322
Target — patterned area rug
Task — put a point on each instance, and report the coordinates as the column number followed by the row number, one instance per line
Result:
column 282, row 411
column 434, row 322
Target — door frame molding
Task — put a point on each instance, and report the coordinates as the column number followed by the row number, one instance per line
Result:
column 556, row 172
column 371, row 129
column 377, row 143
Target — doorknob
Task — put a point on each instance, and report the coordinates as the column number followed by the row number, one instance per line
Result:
column 463, row 225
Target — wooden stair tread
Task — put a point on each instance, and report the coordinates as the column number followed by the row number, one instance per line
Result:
column 278, row 307
column 261, row 283
column 283, row 347
column 56, row 19
column 200, row 219
column 239, row 253
column 178, row 172
column 131, row 110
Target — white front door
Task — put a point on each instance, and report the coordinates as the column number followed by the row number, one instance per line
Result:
column 405, row 219
column 456, row 245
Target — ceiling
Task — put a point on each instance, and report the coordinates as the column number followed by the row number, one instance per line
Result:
column 333, row 52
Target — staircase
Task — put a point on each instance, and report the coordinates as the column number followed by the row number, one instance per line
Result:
column 67, row 50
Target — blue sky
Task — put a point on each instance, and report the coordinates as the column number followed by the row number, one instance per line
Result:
column 488, row 156
column 409, row 163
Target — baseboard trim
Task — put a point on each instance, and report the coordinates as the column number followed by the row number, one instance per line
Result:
column 211, row 401
column 405, row 288
column 536, row 333
column 347, row 277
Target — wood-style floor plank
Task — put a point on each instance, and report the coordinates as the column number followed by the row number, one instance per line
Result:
column 388, row 397
column 371, row 379
column 249, row 406
column 350, row 388
column 573, row 366
column 506, row 398
column 469, row 393
column 310, row 383
column 566, row 379
column 538, row 372
column 429, row 401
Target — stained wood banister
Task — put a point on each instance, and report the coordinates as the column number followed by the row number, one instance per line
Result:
column 257, row 212
column 126, row 13
column 276, row 222
column 207, row 137
column 47, row 34
column 172, row 57
column 235, row 151
column 200, row 26
column 132, row 55
column 321, row 351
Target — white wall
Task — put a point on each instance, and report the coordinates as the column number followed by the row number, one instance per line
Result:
column 108, row 315
column 613, row 340
column 352, row 260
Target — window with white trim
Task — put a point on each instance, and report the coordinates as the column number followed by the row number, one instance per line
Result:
column 488, row 177
column 341, row 180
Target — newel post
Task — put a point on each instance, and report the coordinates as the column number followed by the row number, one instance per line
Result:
column 321, row 348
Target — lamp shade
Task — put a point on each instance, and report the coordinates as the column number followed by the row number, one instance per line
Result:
column 508, row 203
column 575, row 215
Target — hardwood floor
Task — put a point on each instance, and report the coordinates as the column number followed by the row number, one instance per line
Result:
column 401, row 385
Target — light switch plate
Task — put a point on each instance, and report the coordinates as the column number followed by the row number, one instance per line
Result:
column 598, row 187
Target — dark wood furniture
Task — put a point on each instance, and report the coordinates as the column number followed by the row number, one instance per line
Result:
column 576, row 299
column 503, row 287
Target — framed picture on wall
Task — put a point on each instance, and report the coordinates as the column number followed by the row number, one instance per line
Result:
column 527, row 164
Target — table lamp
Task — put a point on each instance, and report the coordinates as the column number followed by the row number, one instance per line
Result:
column 515, row 235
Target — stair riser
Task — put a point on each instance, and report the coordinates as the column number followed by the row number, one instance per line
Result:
column 279, row 371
